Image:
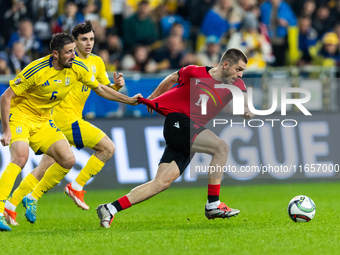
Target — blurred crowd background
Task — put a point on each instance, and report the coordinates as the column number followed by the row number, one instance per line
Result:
column 156, row 35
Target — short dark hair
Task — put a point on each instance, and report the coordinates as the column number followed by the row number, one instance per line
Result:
column 59, row 40
column 82, row 28
column 233, row 56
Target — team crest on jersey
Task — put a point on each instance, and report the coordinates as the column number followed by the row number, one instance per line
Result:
column 67, row 81
column 17, row 81
column 18, row 130
column 94, row 70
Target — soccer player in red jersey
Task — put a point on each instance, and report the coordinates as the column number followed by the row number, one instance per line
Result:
column 184, row 131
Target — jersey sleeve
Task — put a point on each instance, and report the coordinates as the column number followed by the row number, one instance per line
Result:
column 23, row 81
column 185, row 72
column 241, row 85
column 102, row 77
column 87, row 78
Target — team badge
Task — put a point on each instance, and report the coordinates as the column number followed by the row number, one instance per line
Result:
column 18, row 130
column 17, row 81
column 67, row 81
column 94, row 70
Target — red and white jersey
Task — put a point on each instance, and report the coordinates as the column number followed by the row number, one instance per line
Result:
column 196, row 88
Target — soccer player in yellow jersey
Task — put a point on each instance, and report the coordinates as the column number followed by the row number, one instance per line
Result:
column 68, row 118
column 28, row 102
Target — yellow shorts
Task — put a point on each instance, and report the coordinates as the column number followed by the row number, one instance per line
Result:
column 39, row 133
column 81, row 133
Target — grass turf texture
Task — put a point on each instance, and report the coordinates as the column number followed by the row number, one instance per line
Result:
column 173, row 222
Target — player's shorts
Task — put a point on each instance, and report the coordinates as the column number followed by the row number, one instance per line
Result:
column 39, row 133
column 179, row 133
column 81, row 133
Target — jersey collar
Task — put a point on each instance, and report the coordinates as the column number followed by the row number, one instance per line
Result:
column 50, row 61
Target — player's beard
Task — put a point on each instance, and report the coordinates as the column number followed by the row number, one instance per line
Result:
column 66, row 65
column 226, row 76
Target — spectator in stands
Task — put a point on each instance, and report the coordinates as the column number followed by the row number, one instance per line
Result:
column 25, row 35
column 212, row 54
column 139, row 28
column 337, row 31
column 139, row 60
column 104, row 54
column 329, row 54
column 11, row 12
column 69, row 19
column 45, row 14
column 18, row 60
column 279, row 18
column 198, row 9
column 114, row 46
column 252, row 43
column 323, row 21
column 4, row 69
column 305, row 8
column 307, row 38
column 173, row 55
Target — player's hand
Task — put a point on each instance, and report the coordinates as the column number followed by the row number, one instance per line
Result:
column 134, row 99
column 248, row 114
column 6, row 138
column 150, row 110
column 118, row 80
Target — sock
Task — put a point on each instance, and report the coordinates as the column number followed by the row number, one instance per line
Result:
column 120, row 204
column 52, row 177
column 31, row 197
column 213, row 192
column 7, row 182
column 10, row 206
column 93, row 166
column 75, row 185
column 26, row 186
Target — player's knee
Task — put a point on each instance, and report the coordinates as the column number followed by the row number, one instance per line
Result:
column 162, row 184
column 222, row 149
column 20, row 160
column 109, row 150
column 68, row 161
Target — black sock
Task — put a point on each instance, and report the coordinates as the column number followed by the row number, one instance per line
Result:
column 117, row 205
column 213, row 198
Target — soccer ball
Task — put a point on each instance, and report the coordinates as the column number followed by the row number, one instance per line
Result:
column 301, row 209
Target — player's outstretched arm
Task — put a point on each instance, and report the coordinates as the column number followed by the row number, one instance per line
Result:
column 247, row 113
column 165, row 85
column 113, row 95
column 5, row 110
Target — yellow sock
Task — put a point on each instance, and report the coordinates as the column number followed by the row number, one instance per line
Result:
column 93, row 166
column 7, row 182
column 52, row 177
column 25, row 187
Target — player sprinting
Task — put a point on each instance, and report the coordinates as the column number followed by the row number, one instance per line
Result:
column 80, row 133
column 185, row 134
column 28, row 102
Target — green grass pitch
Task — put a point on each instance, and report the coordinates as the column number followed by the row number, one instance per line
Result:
column 173, row 222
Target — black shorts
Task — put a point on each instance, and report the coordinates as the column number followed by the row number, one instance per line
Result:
column 179, row 133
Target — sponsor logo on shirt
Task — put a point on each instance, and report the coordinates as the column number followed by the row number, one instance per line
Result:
column 46, row 83
column 17, row 81
column 93, row 78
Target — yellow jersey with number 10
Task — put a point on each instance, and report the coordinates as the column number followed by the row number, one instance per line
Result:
column 71, row 108
column 40, row 87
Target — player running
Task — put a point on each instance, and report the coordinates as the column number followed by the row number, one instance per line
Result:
column 28, row 102
column 80, row 133
column 185, row 134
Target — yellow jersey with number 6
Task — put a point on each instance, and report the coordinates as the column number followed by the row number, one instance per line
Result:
column 40, row 87
column 71, row 108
